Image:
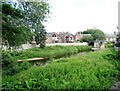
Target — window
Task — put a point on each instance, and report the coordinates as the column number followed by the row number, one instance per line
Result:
column 53, row 35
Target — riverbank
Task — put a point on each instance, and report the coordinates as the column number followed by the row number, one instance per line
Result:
column 90, row 71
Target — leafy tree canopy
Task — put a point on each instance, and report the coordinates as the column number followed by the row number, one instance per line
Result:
column 87, row 39
column 13, row 34
column 95, row 33
column 39, row 12
column 18, row 23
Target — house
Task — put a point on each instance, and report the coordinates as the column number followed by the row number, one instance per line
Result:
column 65, row 37
column 52, row 37
column 79, row 36
column 61, row 37
column 84, row 35
column 111, row 37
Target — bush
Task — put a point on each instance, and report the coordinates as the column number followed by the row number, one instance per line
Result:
column 9, row 64
column 109, row 44
column 113, row 55
column 118, row 55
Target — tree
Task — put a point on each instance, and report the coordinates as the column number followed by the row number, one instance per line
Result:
column 36, row 14
column 95, row 33
column 40, row 36
column 13, row 33
column 19, row 22
column 87, row 38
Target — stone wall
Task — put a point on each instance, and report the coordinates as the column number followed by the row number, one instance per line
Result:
column 27, row 46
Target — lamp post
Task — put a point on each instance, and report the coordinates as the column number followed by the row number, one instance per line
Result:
column 117, row 44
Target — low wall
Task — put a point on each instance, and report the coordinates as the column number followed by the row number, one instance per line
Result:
column 24, row 46
column 67, row 44
column 28, row 46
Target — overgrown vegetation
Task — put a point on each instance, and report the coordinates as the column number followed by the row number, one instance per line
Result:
column 114, row 57
column 11, row 66
column 91, row 71
column 109, row 44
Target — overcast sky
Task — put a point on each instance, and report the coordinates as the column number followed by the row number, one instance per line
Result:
column 79, row 15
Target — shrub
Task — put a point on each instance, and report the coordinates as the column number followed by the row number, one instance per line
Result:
column 9, row 64
column 113, row 54
column 109, row 44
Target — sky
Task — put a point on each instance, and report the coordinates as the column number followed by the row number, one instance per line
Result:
column 79, row 15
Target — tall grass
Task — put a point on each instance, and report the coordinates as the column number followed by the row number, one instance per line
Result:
column 9, row 59
column 90, row 71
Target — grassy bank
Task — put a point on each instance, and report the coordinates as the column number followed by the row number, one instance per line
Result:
column 11, row 66
column 47, row 52
column 91, row 71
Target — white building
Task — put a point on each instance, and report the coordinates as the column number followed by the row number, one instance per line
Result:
column 110, row 37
